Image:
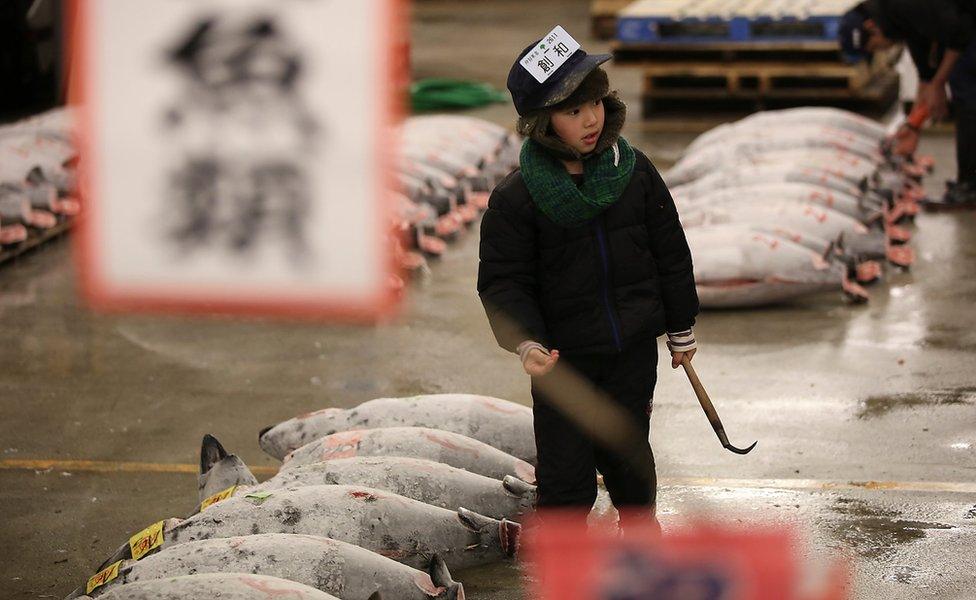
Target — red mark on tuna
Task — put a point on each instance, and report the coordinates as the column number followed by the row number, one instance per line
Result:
column 448, row 444
column 773, row 244
column 324, row 411
column 492, row 405
column 819, row 215
column 341, row 445
column 364, row 496
column 266, row 587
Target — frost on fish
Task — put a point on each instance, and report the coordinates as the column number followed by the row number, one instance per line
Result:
column 405, row 530
column 427, row 481
column 329, row 565
column 437, row 445
column 210, row 586
column 499, row 423
column 738, row 266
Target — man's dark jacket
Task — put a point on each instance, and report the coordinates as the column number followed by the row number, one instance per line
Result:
column 624, row 275
column 920, row 23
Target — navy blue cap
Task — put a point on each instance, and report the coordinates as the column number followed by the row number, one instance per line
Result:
column 528, row 94
column 853, row 35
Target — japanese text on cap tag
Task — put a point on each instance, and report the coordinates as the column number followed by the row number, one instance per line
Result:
column 554, row 49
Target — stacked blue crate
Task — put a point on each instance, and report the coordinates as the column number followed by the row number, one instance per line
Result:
column 656, row 29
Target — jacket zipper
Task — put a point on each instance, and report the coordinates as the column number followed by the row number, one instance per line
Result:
column 601, row 243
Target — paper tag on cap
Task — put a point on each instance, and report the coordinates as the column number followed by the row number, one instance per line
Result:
column 549, row 54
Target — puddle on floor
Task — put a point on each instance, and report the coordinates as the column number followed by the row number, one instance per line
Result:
column 879, row 406
column 875, row 532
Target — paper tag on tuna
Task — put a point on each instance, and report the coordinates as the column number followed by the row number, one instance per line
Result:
column 102, row 577
column 146, row 540
column 211, row 500
column 551, row 52
column 259, row 496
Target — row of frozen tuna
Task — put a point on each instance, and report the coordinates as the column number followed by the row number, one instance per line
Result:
column 445, row 168
column 786, row 203
column 37, row 175
column 385, row 497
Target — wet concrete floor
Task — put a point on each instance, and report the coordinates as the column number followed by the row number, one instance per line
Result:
column 864, row 414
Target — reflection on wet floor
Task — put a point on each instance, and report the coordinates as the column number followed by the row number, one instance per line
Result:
column 878, row 406
column 875, row 532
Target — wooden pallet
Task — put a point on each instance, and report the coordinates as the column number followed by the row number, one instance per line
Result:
column 874, row 94
column 726, row 52
column 754, row 79
column 603, row 17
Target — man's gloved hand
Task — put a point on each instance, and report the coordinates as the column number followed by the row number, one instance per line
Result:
column 905, row 140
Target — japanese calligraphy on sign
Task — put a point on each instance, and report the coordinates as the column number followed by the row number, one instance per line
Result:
column 549, row 54
column 248, row 174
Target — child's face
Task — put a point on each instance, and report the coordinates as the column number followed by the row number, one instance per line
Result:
column 579, row 126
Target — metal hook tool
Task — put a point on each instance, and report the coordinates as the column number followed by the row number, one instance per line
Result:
column 709, row 409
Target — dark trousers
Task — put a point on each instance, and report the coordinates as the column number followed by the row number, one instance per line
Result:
column 962, row 83
column 568, row 459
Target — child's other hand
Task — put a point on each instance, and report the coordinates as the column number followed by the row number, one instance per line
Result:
column 677, row 357
column 538, row 363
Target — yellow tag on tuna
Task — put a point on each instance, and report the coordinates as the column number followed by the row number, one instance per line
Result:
column 146, row 540
column 218, row 497
column 102, row 577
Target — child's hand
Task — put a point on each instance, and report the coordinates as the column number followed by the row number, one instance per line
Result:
column 677, row 357
column 538, row 363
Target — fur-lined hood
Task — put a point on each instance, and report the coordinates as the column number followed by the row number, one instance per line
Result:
column 536, row 125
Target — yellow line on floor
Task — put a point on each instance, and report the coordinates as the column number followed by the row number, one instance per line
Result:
column 822, row 485
column 105, row 466
column 101, row 466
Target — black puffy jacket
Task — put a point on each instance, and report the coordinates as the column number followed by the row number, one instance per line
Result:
column 624, row 275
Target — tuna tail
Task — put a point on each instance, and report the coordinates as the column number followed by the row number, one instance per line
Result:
column 211, row 452
column 516, row 486
column 442, row 578
column 508, row 532
column 375, row 596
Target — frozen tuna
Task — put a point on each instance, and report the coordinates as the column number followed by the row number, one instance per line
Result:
column 499, row 423
column 210, row 586
column 405, row 530
column 223, row 476
column 424, row 480
column 737, row 266
column 329, row 565
column 414, row 442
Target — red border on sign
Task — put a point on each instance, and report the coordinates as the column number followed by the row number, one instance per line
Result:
column 99, row 293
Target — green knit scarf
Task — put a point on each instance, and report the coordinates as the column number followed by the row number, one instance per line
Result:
column 605, row 175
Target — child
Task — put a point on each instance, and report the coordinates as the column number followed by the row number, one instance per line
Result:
column 581, row 251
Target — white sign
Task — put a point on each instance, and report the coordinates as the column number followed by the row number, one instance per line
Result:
column 234, row 155
column 550, row 53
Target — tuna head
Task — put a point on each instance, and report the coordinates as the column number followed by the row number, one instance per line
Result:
column 219, row 470
column 526, row 492
column 491, row 533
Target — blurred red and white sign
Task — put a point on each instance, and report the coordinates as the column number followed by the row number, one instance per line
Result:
column 234, row 154
column 701, row 562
